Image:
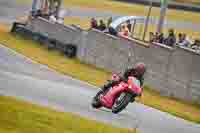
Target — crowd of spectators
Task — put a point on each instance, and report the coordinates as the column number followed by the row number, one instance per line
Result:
column 171, row 39
column 55, row 15
column 124, row 29
column 101, row 25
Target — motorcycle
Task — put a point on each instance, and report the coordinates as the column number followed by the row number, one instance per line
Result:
column 117, row 97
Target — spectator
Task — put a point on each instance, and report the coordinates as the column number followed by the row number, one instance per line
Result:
column 112, row 31
column 196, row 45
column 188, row 40
column 38, row 13
column 180, row 38
column 45, row 9
column 183, row 40
column 160, row 38
column 61, row 16
column 102, row 26
column 151, row 37
column 60, row 20
column 52, row 19
column 129, row 25
column 109, row 22
column 156, row 37
column 93, row 23
column 54, row 8
column 124, row 31
column 171, row 39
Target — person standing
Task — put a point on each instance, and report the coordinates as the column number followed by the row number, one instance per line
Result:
column 102, row 25
column 129, row 25
column 171, row 39
column 109, row 22
column 93, row 23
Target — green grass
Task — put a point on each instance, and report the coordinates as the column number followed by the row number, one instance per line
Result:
column 132, row 9
column 17, row 116
column 84, row 23
column 138, row 10
column 197, row 2
column 98, row 77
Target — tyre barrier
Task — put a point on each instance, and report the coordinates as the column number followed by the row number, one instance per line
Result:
column 69, row 50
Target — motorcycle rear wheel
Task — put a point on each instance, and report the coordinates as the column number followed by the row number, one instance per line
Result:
column 121, row 102
column 96, row 100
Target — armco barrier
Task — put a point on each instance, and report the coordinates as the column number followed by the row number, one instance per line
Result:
column 171, row 71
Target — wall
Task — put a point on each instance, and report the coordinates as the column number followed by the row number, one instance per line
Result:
column 172, row 72
column 64, row 34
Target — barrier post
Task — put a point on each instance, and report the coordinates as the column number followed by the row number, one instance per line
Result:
column 163, row 11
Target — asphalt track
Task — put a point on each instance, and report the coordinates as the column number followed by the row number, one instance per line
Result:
column 24, row 79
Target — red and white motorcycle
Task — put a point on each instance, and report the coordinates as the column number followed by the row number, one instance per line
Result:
column 119, row 96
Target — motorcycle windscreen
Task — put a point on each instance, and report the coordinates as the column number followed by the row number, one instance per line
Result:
column 135, row 85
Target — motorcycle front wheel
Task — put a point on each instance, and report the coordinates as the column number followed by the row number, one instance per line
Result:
column 121, row 102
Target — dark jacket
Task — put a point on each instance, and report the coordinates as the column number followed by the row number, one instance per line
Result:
column 170, row 41
column 102, row 27
column 132, row 72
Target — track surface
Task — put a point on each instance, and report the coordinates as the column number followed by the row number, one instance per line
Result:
column 36, row 83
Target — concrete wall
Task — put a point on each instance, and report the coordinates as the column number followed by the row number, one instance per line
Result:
column 172, row 72
column 64, row 34
column 105, row 51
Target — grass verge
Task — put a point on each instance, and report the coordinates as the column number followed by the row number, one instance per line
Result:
column 21, row 117
column 135, row 9
column 83, row 72
column 196, row 2
column 132, row 9
column 84, row 23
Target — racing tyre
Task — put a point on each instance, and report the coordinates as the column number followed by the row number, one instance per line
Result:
column 96, row 101
column 121, row 102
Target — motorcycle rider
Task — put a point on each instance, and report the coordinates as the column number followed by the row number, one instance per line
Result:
column 137, row 71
